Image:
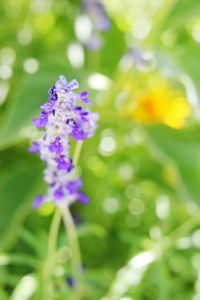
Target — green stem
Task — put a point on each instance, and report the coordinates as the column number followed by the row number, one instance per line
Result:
column 77, row 152
column 185, row 228
column 51, row 250
column 73, row 240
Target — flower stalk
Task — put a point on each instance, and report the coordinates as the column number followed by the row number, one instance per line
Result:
column 62, row 117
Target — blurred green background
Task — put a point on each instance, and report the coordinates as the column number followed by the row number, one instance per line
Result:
column 140, row 233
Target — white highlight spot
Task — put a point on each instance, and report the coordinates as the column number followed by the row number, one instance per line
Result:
column 25, row 288
column 184, row 243
column 196, row 33
column 5, row 72
column 31, row 65
column 4, row 89
column 7, row 56
column 196, row 238
column 111, row 205
column 75, row 54
column 133, row 272
column 107, row 145
column 83, row 28
column 126, row 172
column 4, row 259
column 99, row 81
column 142, row 260
column 141, row 28
column 162, row 207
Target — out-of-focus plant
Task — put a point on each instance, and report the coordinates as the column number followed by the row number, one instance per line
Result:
column 152, row 99
column 139, row 237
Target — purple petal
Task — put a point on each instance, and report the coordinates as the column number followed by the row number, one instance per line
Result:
column 72, row 85
column 38, row 201
column 41, row 120
column 63, row 80
column 34, row 148
column 56, row 146
column 103, row 23
column 52, row 94
column 78, row 134
column 48, row 106
column 64, row 164
column 59, row 193
column 84, row 98
column 94, row 43
column 74, row 185
column 83, row 198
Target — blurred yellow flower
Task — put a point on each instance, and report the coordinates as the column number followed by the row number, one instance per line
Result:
column 157, row 101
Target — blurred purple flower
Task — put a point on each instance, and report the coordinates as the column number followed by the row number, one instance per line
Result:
column 95, row 11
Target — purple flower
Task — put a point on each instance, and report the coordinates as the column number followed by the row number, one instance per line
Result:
column 34, row 148
column 84, row 97
column 63, row 118
column 102, row 22
column 56, row 146
column 94, row 43
column 95, row 10
column 74, row 185
column 64, row 164
column 41, row 120
column 77, row 131
column 38, row 201
column 48, row 106
column 59, row 194
column 62, row 86
column 52, row 93
column 83, row 198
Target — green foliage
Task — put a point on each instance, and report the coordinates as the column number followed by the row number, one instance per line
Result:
column 144, row 192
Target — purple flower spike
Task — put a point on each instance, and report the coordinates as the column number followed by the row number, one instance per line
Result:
column 62, row 118
column 95, row 10
column 84, row 98
column 38, row 201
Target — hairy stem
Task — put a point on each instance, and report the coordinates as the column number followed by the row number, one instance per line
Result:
column 73, row 240
column 77, row 152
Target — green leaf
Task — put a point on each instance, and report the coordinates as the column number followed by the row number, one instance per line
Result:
column 181, row 148
column 18, row 189
column 3, row 295
column 182, row 12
